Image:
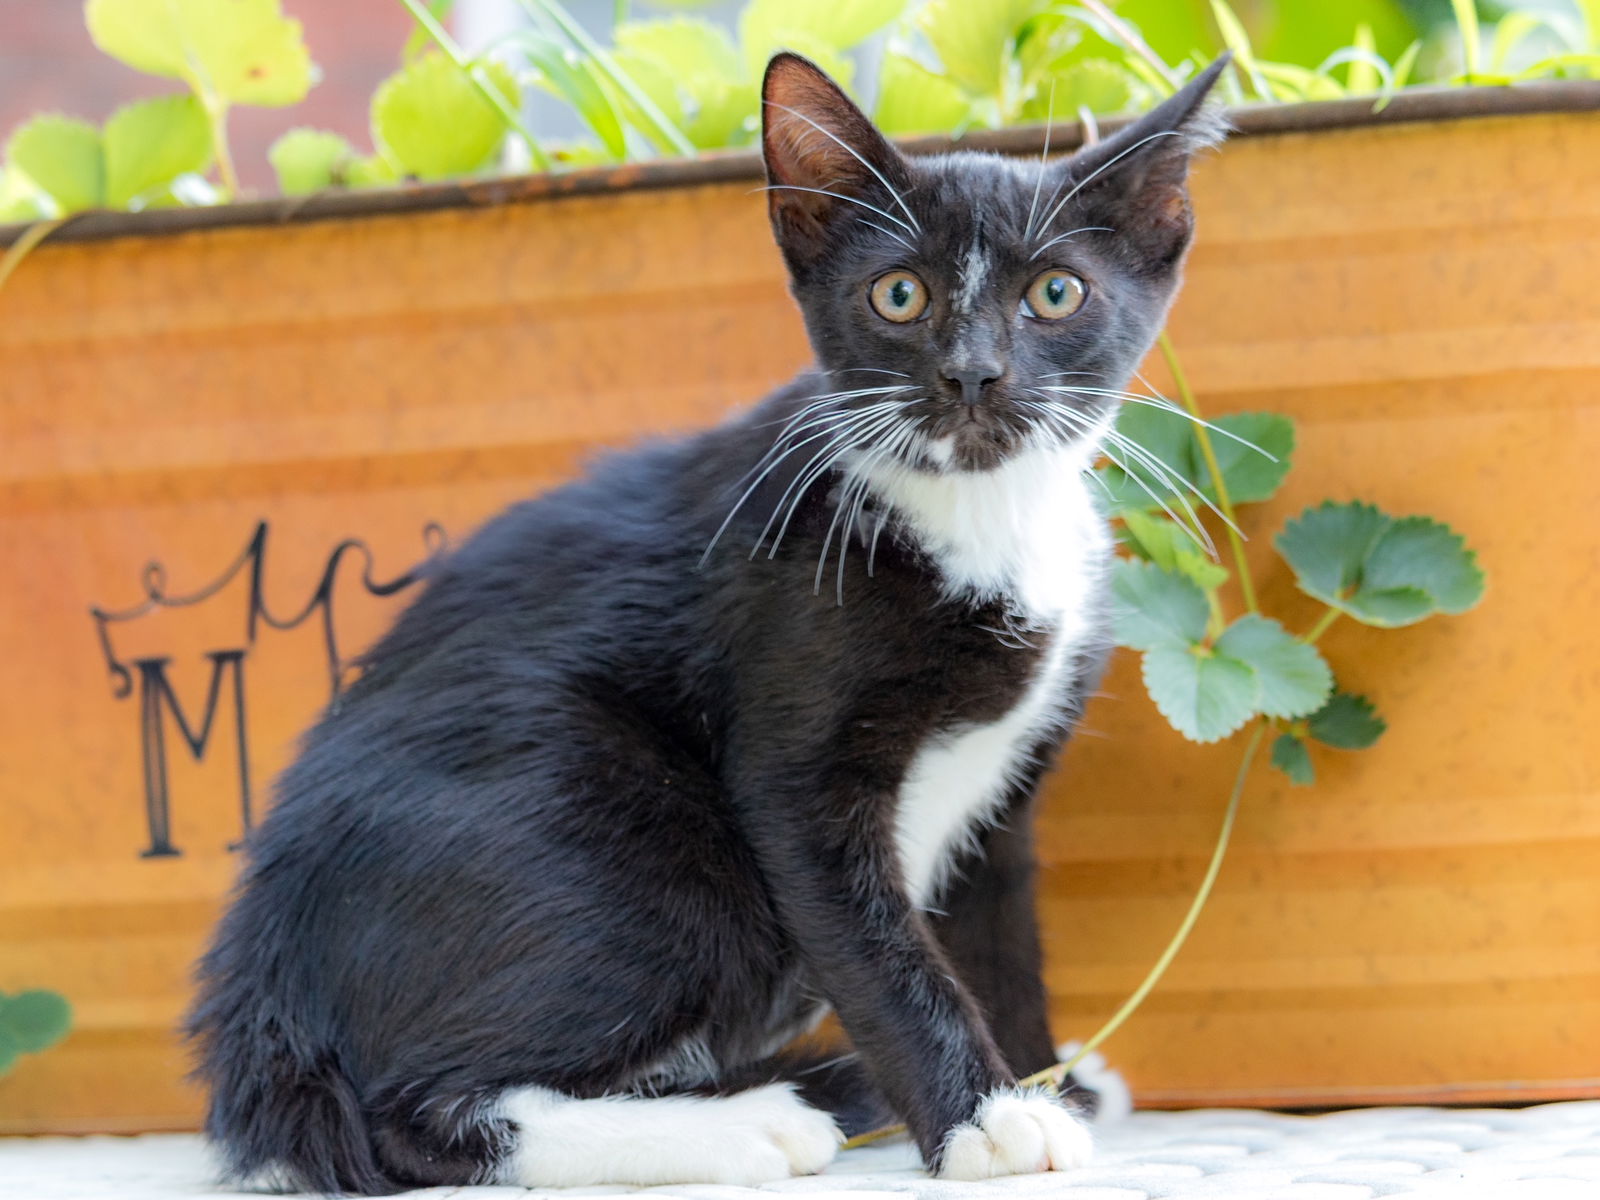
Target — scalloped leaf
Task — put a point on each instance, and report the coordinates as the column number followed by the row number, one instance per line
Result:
column 1294, row 678
column 236, row 51
column 1153, row 608
column 149, row 143
column 432, row 121
column 1205, row 696
column 1346, row 722
column 1379, row 570
column 65, row 159
column 1159, row 540
column 973, row 40
column 1254, row 451
column 1289, row 755
column 308, row 160
column 913, row 99
column 35, row 1020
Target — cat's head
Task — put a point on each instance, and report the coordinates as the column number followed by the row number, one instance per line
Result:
column 961, row 293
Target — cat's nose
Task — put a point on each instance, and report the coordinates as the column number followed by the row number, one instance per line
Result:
column 971, row 380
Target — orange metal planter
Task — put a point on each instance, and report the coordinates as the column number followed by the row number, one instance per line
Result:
column 1424, row 924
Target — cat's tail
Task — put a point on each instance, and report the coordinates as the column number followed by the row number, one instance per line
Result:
column 283, row 1115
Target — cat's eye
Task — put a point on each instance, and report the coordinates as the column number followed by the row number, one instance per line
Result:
column 898, row 296
column 1053, row 295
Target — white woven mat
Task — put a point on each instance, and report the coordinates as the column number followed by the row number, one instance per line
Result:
column 1551, row 1152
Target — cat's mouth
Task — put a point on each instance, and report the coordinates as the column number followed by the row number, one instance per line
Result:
column 978, row 438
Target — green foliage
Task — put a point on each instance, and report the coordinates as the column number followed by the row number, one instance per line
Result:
column 1380, row 570
column 678, row 83
column 31, row 1022
column 433, row 123
column 1209, row 674
column 131, row 163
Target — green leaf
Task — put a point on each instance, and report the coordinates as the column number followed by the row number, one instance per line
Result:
column 1381, row 571
column 1420, row 553
column 9, row 1052
column 912, row 99
column 308, row 160
column 576, row 79
column 836, row 25
column 430, row 119
column 20, row 200
column 149, row 143
column 1253, row 449
column 34, row 1021
column 758, row 44
column 233, row 51
column 1095, row 84
column 371, row 171
column 1247, row 469
column 1294, row 679
column 692, row 48
column 1326, row 546
column 1346, row 722
column 1161, row 541
column 692, row 71
column 974, row 40
column 64, row 158
column 1205, row 696
column 1155, row 608
column 1289, row 755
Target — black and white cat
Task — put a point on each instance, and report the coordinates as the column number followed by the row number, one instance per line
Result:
column 666, row 764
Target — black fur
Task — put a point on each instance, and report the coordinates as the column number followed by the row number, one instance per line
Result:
column 593, row 795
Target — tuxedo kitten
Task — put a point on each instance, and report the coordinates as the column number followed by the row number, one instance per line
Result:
column 735, row 731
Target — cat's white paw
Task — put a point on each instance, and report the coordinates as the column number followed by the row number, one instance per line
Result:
column 1016, row 1133
column 773, row 1134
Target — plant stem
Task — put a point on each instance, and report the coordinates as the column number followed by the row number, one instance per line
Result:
column 441, row 38
column 26, row 241
column 1057, row 1074
column 1321, row 627
column 1247, row 587
column 562, row 20
column 217, row 118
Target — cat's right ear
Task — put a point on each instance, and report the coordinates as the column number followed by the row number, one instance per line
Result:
column 825, row 160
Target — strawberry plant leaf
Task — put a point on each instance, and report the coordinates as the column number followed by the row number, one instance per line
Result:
column 1160, row 540
column 431, row 120
column 149, row 143
column 65, row 159
column 913, row 99
column 1379, row 570
column 1205, row 696
column 973, row 40
column 34, row 1021
column 1154, row 608
column 1346, row 722
column 239, row 52
column 308, row 160
column 1289, row 755
column 1293, row 676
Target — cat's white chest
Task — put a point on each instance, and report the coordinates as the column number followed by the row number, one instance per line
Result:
column 1027, row 533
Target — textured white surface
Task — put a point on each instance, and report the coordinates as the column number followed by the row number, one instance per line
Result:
column 1551, row 1152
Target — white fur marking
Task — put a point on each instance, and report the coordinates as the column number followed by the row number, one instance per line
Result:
column 973, row 269
column 1027, row 532
column 758, row 1136
column 1015, row 1133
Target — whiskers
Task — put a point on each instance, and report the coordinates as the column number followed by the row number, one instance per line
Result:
column 1057, row 416
column 831, row 435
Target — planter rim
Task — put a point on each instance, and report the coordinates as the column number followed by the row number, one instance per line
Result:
column 1256, row 120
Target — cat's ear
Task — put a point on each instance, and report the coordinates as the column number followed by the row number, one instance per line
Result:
column 825, row 160
column 1135, row 181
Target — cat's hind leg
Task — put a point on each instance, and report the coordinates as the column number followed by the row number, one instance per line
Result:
column 754, row 1136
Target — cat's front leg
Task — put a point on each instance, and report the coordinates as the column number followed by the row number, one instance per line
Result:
column 919, row 1030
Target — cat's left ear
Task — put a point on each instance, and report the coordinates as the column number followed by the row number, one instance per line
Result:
column 1135, row 181
column 826, row 162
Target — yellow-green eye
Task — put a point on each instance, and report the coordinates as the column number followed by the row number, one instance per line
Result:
column 898, row 296
column 1054, row 294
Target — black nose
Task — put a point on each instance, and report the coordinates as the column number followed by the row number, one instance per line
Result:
column 972, row 380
